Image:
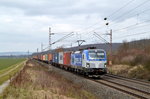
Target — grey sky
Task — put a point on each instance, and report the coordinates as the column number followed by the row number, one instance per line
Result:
column 24, row 23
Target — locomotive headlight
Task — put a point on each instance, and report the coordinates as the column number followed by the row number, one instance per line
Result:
column 105, row 65
column 87, row 65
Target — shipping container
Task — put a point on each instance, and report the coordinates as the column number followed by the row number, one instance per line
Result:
column 46, row 57
column 35, row 57
column 41, row 57
column 72, row 59
column 76, row 59
column 50, row 58
column 55, row 57
column 61, row 57
column 67, row 58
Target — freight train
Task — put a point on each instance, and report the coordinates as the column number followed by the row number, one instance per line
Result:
column 89, row 62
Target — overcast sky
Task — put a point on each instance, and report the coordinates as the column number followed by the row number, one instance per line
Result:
column 24, row 24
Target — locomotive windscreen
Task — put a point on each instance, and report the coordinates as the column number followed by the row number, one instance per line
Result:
column 96, row 55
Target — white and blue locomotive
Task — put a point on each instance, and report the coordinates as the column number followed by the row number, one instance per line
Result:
column 90, row 61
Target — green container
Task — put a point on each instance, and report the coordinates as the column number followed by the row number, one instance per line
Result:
column 46, row 57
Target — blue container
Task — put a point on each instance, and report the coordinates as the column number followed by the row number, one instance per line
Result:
column 76, row 59
column 72, row 59
column 55, row 57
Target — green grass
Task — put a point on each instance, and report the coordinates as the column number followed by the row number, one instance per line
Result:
column 6, row 77
column 8, row 68
column 7, row 62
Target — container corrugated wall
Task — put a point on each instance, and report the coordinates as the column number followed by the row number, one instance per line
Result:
column 35, row 57
column 78, row 59
column 41, row 57
column 55, row 57
column 50, row 58
column 61, row 57
column 72, row 59
column 46, row 57
column 53, row 60
column 67, row 58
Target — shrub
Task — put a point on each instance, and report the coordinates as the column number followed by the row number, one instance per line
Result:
column 137, row 60
column 127, row 59
column 146, row 63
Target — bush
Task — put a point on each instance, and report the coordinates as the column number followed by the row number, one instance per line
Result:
column 127, row 59
column 137, row 60
column 139, row 72
column 147, row 64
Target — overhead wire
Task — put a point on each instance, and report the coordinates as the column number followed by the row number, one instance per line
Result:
column 109, row 17
column 68, row 35
column 115, row 13
column 136, row 24
column 131, row 26
column 110, row 14
column 118, row 11
column 97, row 35
column 120, row 8
column 133, row 34
column 64, row 37
column 61, row 33
column 126, row 13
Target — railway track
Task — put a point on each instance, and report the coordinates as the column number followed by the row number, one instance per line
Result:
column 123, row 87
column 137, row 81
column 128, row 90
column 108, row 80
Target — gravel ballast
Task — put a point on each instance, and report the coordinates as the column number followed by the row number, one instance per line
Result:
column 99, row 90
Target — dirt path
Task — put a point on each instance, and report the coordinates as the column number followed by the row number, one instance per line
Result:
column 11, row 70
column 4, row 85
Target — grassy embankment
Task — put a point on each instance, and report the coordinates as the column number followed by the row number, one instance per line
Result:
column 38, row 82
column 8, row 67
column 132, row 60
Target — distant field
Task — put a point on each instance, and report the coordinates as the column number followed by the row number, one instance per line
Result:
column 7, row 62
column 9, row 67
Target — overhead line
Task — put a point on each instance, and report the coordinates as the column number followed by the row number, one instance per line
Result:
column 89, row 27
column 109, row 15
column 127, row 26
column 131, row 26
column 131, row 10
column 121, row 8
column 115, row 12
column 100, row 37
column 133, row 34
column 68, row 35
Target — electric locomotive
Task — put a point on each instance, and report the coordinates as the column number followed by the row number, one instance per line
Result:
column 90, row 61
